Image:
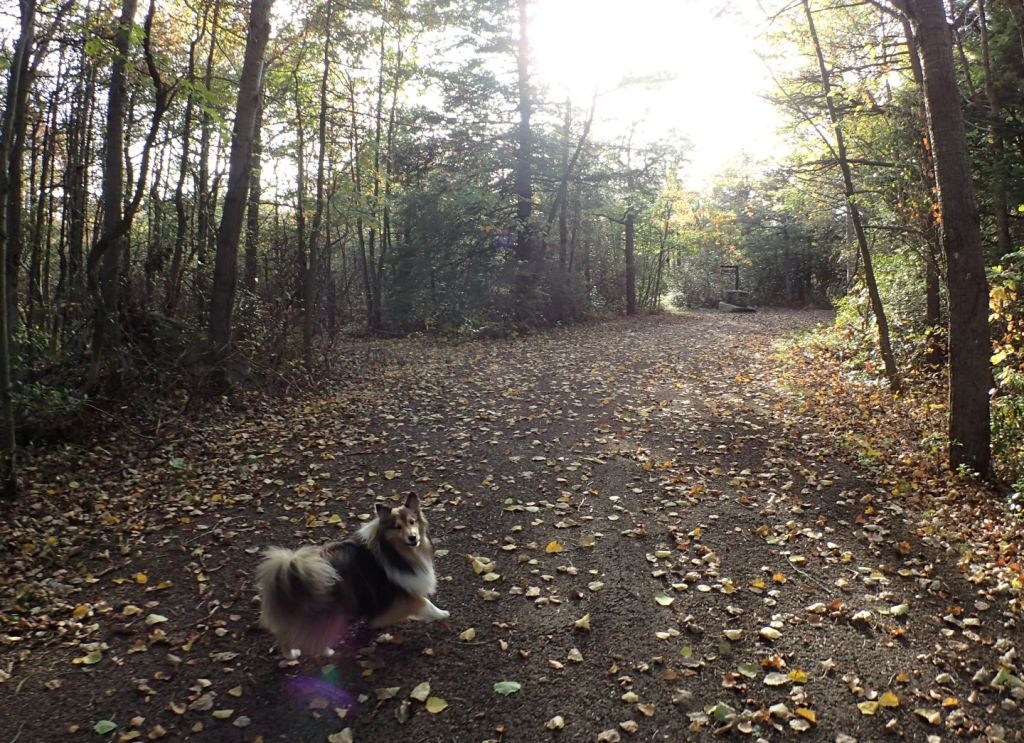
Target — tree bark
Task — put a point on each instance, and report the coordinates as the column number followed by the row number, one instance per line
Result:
column 934, row 355
column 999, row 189
column 172, row 288
column 524, row 155
column 8, row 442
column 312, row 262
column 225, row 271
column 884, row 344
column 105, row 279
column 204, row 195
column 252, row 214
column 969, row 343
column 630, row 264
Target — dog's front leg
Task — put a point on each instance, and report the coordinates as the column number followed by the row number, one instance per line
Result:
column 430, row 613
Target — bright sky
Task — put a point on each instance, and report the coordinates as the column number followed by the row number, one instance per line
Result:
column 713, row 100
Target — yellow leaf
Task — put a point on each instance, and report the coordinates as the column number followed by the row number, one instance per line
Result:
column 469, row 635
column 583, row 622
column 797, row 676
column 436, row 705
column 554, row 547
column 81, row 610
column 807, row 714
column 868, row 708
column 141, row 578
column 888, row 699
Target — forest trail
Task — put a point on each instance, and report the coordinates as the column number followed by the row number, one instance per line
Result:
column 662, row 553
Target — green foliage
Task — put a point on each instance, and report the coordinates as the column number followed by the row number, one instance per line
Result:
column 42, row 410
column 442, row 271
column 1007, row 316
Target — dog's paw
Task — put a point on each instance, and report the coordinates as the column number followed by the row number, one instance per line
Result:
column 292, row 654
column 328, row 652
column 443, row 614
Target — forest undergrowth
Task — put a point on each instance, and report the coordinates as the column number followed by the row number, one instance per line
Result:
column 902, row 436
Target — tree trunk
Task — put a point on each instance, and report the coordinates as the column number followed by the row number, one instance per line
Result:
column 1000, row 199
column 13, row 201
column 934, row 355
column 969, row 343
column 884, row 344
column 105, row 279
column 225, row 271
column 8, row 443
column 40, row 242
column 630, row 265
column 252, row 214
column 662, row 252
column 204, row 196
column 524, row 154
column 312, row 263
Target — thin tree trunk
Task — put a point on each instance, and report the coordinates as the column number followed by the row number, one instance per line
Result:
column 204, row 197
column 933, row 305
column 105, row 257
column 252, row 214
column 661, row 257
column 884, row 344
column 225, row 271
column 524, row 155
column 969, row 342
column 13, row 201
column 630, row 263
column 1000, row 199
column 8, row 442
column 35, row 290
column 374, row 300
column 312, row 263
column 357, row 182
column 389, row 143
column 106, row 281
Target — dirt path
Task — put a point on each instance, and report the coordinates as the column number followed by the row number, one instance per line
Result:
column 674, row 559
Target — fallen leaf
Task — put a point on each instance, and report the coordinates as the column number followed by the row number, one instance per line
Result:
column 436, row 705
column 932, row 716
column 555, row 723
column 868, row 708
column 104, row 726
column 889, row 699
column 507, row 687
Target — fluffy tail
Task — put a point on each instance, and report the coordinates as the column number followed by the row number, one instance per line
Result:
column 292, row 583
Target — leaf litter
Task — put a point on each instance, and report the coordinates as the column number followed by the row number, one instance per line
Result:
column 581, row 472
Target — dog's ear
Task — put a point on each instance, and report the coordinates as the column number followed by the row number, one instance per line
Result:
column 382, row 510
column 412, row 502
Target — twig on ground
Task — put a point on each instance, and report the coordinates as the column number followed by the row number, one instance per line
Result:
column 812, row 579
column 18, row 734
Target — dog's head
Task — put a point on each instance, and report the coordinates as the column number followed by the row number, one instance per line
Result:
column 404, row 526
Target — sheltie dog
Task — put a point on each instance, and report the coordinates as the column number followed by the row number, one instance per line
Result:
column 382, row 574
